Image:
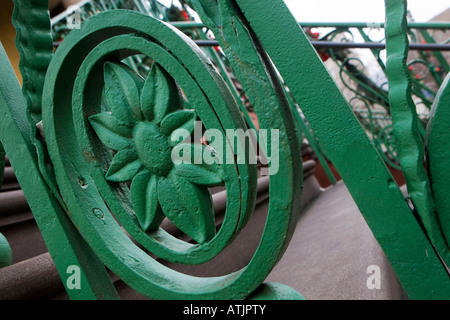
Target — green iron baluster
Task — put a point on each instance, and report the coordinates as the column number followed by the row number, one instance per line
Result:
column 406, row 126
column 416, row 87
column 5, row 249
column 437, row 155
column 65, row 245
column 2, row 163
column 225, row 74
column 350, row 150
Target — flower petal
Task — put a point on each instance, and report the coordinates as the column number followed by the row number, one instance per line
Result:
column 112, row 132
column 160, row 95
column 205, row 172
column 189, row 207
column 182, row 119
column 124, row 167
column 122, row 91
column 144, row 198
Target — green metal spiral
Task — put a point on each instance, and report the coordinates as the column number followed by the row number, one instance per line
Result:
column 73, row 92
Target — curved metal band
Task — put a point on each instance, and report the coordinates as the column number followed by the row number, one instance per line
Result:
column 102, row 232
column 364, row 172
column 437, row 140
column 160, row 242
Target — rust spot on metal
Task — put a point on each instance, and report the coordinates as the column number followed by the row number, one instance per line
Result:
column 89, row 156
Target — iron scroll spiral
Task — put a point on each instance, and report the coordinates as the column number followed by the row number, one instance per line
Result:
column 90, row 139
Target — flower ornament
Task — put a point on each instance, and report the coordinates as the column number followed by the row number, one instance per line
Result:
column 144, row 116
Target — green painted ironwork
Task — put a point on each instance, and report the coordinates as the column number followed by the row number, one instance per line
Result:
column 102, row 163
column 370, row 100
column 63, row 241
column 406, row 129
column 183, row 20
column 335, row 124
column 2, row 163
column 5, row 248
column 337, row 25
column 275, row 291
column 143, row 140
column 436, row 141
column 5, row 252
column 35, row 49
column 81, row 56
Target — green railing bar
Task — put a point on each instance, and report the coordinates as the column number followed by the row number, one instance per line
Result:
column 335, row 125
column 65, row 244
column 351, row 45
column 64, row 14
column 411, row 25
column 232, row 87
column 443, row 62
column 309, row 135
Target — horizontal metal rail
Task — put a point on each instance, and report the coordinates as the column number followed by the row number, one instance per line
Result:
column 351, row 45
column 341, row 45
column 373, row 25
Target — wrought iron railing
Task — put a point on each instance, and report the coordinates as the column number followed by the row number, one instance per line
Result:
column 369, row 97
column 95, row 132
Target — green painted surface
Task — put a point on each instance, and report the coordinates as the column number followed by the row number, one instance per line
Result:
column 2, row 163
column 275, row 291
column 437, row 156
column 333, row 24
column 108, row 172
column 78, row 155
column 5, row 249
column 406, row 127
column 62, row 239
